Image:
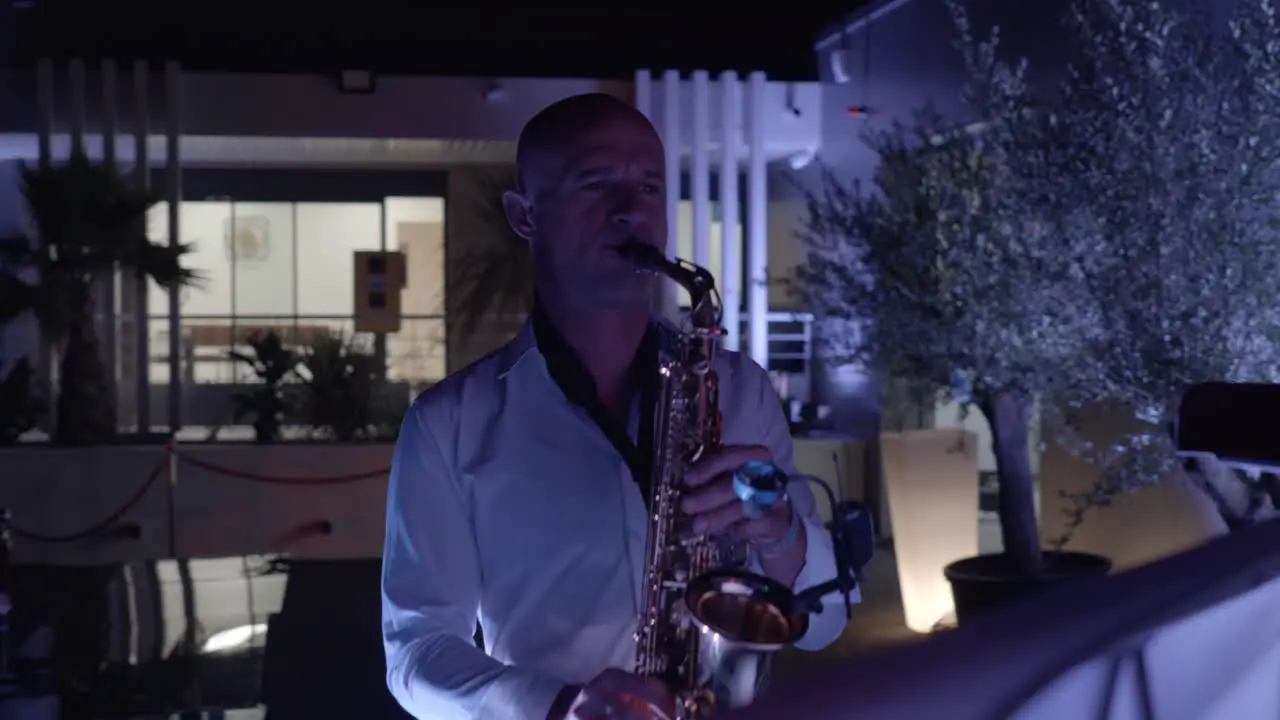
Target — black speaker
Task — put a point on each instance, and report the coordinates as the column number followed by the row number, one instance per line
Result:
column 1239, row 423
column 324, row 654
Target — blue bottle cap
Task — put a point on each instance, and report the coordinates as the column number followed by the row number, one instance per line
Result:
column 760, row 486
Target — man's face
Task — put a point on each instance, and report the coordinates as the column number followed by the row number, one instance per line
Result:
column 602, row 188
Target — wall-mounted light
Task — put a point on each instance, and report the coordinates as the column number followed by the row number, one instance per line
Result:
column 233, row 639
column 839, row 60
column 800, row 160
column 356, row 81
column 494, row 91
column 861, row 112
column 793, row 107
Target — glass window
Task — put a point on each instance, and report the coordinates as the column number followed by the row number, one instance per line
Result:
column 257, row 245
column 289, row 267
column 415, row 227
column 201, row 225
column 329, row 234
column 416, row 354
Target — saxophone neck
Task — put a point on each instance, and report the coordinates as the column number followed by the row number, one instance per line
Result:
column 704, row 299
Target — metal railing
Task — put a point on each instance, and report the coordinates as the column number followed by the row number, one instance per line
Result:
column 416, row 356
column 790, row 342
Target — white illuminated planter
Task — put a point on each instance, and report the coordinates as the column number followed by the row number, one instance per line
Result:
column 931, row 483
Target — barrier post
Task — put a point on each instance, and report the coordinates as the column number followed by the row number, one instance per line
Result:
column 171, row 494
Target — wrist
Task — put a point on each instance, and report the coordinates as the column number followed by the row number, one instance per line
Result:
column 784, row 542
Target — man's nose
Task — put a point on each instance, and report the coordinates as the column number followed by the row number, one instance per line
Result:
column 627, row 209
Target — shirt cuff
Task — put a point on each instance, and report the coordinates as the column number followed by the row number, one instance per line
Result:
column 520, row 695
column 820, row 567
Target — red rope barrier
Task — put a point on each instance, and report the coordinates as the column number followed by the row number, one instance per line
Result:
column 281, row 479
column 103, row 524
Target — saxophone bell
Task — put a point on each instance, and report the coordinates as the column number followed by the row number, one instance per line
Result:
column 743, row 619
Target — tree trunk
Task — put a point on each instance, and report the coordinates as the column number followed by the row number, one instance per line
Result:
column 86, row 405
column 1008, row 413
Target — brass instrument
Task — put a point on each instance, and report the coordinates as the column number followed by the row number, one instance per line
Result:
column 706, row 626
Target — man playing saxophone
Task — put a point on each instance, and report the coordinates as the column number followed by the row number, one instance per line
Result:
column 516, row 495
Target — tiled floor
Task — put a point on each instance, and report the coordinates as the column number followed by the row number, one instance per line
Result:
column 878, row 621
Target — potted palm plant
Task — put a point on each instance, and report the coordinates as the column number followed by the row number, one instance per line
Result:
column 344, row 398
column 87, row 220
column 275, row 364
column 493, row 277
column 17, row 402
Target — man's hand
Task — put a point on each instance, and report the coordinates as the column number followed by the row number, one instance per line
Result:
column 618, row 695
column 717, row 510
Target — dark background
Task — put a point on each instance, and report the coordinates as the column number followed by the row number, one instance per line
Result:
column 593, row 39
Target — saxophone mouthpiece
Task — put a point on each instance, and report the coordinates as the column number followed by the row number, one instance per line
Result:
column 643, row 255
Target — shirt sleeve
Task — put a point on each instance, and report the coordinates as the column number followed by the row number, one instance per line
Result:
column 819, row 557
column 431, row 595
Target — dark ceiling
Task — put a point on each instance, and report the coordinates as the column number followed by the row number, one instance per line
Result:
column 426, row 37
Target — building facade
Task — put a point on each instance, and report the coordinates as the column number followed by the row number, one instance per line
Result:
column 278, row 180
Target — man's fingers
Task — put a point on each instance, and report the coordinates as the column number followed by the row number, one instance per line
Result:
column 726, row 460
column 708, row 497
column 612, row 706
column 626, row 696
column 757, row 529
column 718, row 520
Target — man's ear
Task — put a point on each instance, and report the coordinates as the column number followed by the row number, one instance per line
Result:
column 519, row 214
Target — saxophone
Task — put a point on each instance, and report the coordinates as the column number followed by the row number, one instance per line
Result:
column 706, row 626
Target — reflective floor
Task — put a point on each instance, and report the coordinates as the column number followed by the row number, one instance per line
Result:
column 265, row 638
column 200, row 638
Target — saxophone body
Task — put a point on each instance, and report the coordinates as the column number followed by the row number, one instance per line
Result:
column 707, row 626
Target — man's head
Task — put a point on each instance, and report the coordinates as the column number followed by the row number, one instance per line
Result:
column 591, row 176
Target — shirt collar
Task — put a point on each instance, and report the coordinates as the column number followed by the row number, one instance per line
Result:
column 538, row 337
column 516, row 351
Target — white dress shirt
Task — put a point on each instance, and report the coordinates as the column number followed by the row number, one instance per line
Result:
column 508, row 504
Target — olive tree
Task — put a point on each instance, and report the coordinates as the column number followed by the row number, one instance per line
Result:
column 1172, row 171
column 1113, row 244
column 956, row 278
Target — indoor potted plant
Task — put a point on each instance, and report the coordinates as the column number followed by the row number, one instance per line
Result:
column 275, row 364
column 346, row 398
column 493, row 277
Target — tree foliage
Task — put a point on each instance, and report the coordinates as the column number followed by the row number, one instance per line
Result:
column 1173, row 126
column 960, row 285
column 87, row 221
column 494, row 277
column 1113, row 241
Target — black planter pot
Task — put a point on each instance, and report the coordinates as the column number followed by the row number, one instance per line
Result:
column 980, row 584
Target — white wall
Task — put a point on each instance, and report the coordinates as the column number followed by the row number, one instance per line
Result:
column 792, row 119
column 402, row 106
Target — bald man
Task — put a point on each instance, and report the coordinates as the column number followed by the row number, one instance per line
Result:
column 516, row 494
